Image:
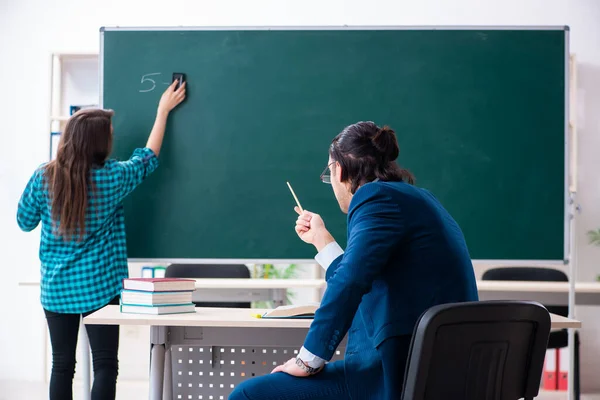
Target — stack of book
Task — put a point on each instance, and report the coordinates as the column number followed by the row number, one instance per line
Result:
column 157, row 296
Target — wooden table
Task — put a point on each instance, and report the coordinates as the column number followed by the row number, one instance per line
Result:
column 555, row 293
column 550, row 293
column 243, row 290
column 186, row 346
column 216, row 348
column 249, row 290
column 232, row 318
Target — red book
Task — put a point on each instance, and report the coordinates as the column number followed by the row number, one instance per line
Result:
column 550, row 381
column 159, row 284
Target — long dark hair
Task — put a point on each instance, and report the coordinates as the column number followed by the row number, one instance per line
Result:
column 367, row 152
column 86, row 142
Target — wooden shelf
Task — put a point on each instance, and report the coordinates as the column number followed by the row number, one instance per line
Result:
column 76, row 56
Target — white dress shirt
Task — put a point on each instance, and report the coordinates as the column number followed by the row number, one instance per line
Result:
column 326, row 256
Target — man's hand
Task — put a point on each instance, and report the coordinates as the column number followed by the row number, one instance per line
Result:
column 291, row 368
column 311, row 229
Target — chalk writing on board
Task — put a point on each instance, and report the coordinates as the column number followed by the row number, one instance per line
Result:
column 149, row 82
column 146, row 78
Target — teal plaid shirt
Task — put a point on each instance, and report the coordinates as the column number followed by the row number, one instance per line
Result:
column 84, row 275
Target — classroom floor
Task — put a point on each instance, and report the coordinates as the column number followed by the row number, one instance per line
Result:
column 39, row 391
column 15, row 390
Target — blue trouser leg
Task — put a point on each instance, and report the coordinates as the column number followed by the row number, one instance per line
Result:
column 328, row 384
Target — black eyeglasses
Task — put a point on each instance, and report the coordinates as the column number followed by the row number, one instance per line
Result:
column 326, row 175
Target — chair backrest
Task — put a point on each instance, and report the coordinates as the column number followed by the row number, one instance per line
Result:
column 197, row 271
column 539, row 274
column 486, row 350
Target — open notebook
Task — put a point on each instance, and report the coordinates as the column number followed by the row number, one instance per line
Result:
column 294, row 311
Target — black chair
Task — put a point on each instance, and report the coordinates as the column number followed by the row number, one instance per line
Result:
column 558, row 339
column 485, row 350
column 197, row 271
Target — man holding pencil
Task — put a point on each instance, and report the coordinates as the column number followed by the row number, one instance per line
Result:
column 405, row 254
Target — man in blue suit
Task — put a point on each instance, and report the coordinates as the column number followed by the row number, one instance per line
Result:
column 405, row 254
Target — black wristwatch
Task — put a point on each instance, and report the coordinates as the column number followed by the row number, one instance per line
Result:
column 306, row 368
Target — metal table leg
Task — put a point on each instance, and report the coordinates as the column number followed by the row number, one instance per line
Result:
column 158, row 336
column 168, row 379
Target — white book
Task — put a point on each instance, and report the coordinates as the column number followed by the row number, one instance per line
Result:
column 158, row 310
column 140, row 298
column 294, row 311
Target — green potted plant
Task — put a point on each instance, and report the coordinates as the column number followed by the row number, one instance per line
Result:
column 270, row 271
column 594, row 239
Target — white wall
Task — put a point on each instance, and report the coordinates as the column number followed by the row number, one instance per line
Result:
column 31, row 29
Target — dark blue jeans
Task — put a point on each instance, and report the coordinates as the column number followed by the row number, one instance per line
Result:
column 104, row 341
column 330, row 383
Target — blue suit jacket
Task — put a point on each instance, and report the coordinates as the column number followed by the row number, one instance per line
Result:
column 405, row 254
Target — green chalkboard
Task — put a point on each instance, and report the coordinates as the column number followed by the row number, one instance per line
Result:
column 480, row 115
